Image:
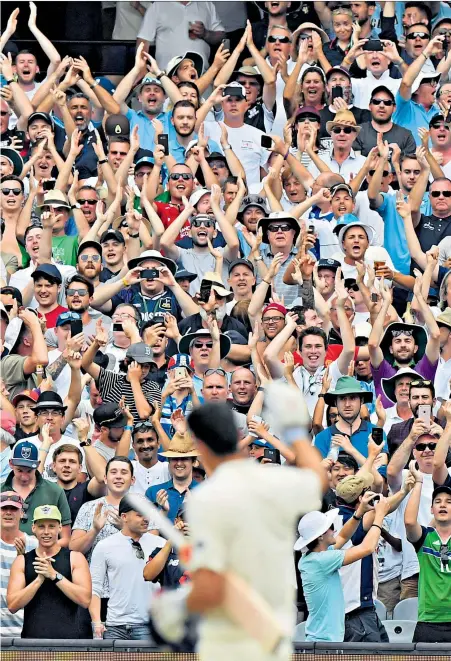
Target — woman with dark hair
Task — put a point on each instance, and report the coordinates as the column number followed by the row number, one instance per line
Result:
column 309, row 91
column 304, row 128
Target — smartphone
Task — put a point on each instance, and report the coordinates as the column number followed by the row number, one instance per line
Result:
column 448, row 117
column 337, row 92
column 273, row 454
column 117, row 327
column 374, row 298
column 49, row 184
column 230, row 90
column 226, row 43
column 179, row 373
column 76, row 327
column 158, row 319
column 424, row 413
column 205, row 290
column 266, row 142
column 163, row 140
column 311, row 229
column 255, row 418
column 20, row 135
column 373, row 45
column 378, row 435
column 374, row 500
column 150, row 274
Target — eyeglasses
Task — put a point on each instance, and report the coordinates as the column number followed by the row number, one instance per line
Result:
column 215, row 370
column 14, row 191
column 384, row 174
column 13, row 497
column 281, row 40
column 440, row 125
column 251, row 83
column 346, row 309
column 206, row 222
column 421, row 447
column 437, row 193
column 89, row 258
column 121, row 317
column 343, row 129
column 202, row 345
column 418, row 35
column 385, row 102
column 285, row 227
column 175, row 176
column 90, row 202
column 80, row 292
column 51, row 412
column 272, row 320
column 143, row 425
column 138, row 549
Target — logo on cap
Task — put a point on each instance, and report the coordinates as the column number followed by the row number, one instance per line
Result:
column 46, row 509
column 25, row 453
column 117, row 129
column 147, row 351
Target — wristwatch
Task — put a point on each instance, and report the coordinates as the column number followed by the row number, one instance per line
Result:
column 59, row 577
column 104, row 160
column 226, row 147
column 160, row 75
column 257, row 259
column 94, row 84
column 134, row 236
column 75, row 206
column 86, row 443
column 357, row 518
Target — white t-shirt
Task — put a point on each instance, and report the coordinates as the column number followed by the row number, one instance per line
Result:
column 372, row 253
column 128, row 20
column 243, row 520
column 147, row 477
column 49, row 473
column 246, row 143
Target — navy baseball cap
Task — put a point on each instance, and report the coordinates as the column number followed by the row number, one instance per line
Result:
column 112, row 235
column 25, row 454
column 47, row 270
column 331, row 264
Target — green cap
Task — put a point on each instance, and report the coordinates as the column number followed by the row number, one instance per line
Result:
column 46, row 512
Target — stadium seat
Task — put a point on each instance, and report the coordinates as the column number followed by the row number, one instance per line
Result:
column 406, row 609
column 400, row 631
column 299, row 633
column 380, row 609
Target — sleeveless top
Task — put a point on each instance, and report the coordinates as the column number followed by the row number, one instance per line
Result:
column 50, row 614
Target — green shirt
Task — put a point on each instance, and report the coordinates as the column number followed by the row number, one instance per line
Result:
column 64, row 250
column 434, row 584
column 44, row 493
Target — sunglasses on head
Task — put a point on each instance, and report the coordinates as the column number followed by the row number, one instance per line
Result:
column 343, row 129
column 215, row 370
column 284, row 227
column 175, row 176
column 14, row 191
column 90, row 258
column 421, row 447
column 198, row 222
column 80, row 292
column 419, row 383
column 14, row 498
column 143, row 425
column 281, row 40
column 419, row 35
column 437, row 193
column 385, row 173
column 90, row 202
column 385, row 102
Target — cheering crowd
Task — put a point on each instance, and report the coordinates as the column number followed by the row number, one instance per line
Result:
column 249, row 201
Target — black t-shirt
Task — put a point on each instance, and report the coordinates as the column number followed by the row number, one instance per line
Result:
column 367, row 138
column 77, row 497
column 19, row 434
column 431, row 230
column 194, row 323
column 172, row 574
column 326, row 115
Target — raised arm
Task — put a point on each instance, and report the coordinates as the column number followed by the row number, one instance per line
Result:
column 232, row 250
column 223, row 75
column 10, row 29
column 413, row 528
column 374, row 340
column 45, row 43
column 375, row 184
column 22, row 104
column 125, row 86
column 414, row 69
column 105, row 99
column 433, row 343
column 171, row 233
column 232, row 159
column 347, row 334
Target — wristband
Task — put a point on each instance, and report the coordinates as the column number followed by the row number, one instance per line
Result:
column 12, row 80
column 86, row 443
column 357, row 518
column 94, row 84
column 124, row 282
column 374, row 525
column 160, row 75
column 134, row 236
column 321, row 394
column 268, row 283
column 287, row 154
column 104, row 160
column 128, row 428
column 257, row 259
column 260, row 389
column 43, row 450
column 227, row 147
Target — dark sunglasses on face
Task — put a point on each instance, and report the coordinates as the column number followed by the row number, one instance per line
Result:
column 281, row 40
column 251, row 83
column 90, row 258
column 385, row 102
column 343, row 129
column 385, row 173
column 14, row 191
column 440, row 125
column 279, row 228
column 353, row 288
column 437, row 193
column 303, row 119
column 419, row 35
column 90, row 202
column 80, row 292
column 202, row 345
column 175, row 176
column 196, row 222
column 421, row 447
column 3, row 113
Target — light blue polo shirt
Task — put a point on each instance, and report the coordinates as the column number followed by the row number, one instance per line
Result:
column 145, row 128
column 359, row 440
column 324, row 596
column 411, row 115
column 178, row 151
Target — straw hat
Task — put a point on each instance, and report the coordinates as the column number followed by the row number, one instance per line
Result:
column 181, row 445
column 343, row 118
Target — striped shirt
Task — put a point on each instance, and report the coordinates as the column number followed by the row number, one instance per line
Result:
column 112, row 387
column 11, row 623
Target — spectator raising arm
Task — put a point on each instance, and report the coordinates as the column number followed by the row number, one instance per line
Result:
column 105, row 99
column 21, row 102
column 125, row 86
column 374, row 340
column 405, row 89
column 232, row 250
column 46, row 45
column 413, row 528
column 172, row 231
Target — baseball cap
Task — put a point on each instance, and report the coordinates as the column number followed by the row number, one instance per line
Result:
column 109, row 415
column 144, row 160
column 46, row 512
column 352, row 486
column 106, row 84
column 243, row 262
column 216, row 156
column 117, row 125
column 25, row 394
column 180, row 360
column 441, row 489
column 47, row 270
column 328, row 263
column 112, row 235
column 308, row 111
column 7, row 499
column 198, row 195
column 140, row 352
column 89, row 244
column 66, row 318
column 41, row 115
column 25, row 454
column 337, row 69
column 343, row 186
column 150, row 80
column 275, row 306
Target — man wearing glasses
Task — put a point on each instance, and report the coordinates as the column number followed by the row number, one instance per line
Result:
column 433, row 228
column 119, row 560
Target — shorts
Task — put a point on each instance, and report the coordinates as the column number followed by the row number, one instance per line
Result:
column 364, row 626
column 390, row 593
column 432, row 632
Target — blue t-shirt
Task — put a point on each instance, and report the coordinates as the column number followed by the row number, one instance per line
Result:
column 412, row 115
column 145, row 128
column 324, row 596
column 175, row 498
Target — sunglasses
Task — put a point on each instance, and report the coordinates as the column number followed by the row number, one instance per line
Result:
column 420, row 383
column 306, row 118
column 437, row 193
column 201, row 345
column 14, row 498
column 181, row 175
column 138, row 549
column 440, row 125
column 279, row 228
column 80, row 292
column 385, row 173
column 418, row 35
column 385, row 102
column 3, row 113
column 215, row 370
column 407, row 331
column 343, row 129
column 198, row 222
column 251, row 83
column 90, row 258
column 90, row 202
column 143, row 425
column 14, row 191
column 281, row 40
column 353, row 288
column 421, row 447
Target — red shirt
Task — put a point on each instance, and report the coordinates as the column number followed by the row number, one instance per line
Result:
column 332, row 353
column 168, row 212
column 52, row 317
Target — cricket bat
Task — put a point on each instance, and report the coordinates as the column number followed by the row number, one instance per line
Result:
column 243, row 605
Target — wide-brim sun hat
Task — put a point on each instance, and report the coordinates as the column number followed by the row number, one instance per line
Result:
column 367, row 229
column 347, row 385
column 388, row 385
column 313, row 525
column 181, row 446
column 418, row 333
column 157, row 256
column 278, row 216
column 14, row 158
column 186, row 340
column 343, row 118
